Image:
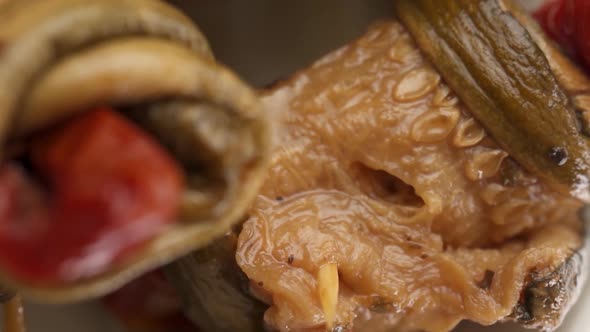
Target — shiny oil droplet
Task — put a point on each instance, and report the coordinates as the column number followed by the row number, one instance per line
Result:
column 469, row 133
column 582, row 103
column 435, row 125
column 401, row 50
column 558, row 155
column 444, row 97
column 484, row 164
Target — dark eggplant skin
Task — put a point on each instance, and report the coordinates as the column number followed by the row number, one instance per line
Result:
column 5, row 294
column 215, row 292
column 547, row 298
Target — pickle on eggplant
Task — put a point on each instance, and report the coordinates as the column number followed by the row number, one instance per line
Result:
column 504, row 78
column 151, row 62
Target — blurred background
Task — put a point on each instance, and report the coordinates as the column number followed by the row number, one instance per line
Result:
column 264, row 41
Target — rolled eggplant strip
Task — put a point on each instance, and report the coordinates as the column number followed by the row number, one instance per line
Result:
column 147, row 59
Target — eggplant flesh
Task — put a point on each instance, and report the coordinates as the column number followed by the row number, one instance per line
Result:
column 384, row 172
column 148, row 60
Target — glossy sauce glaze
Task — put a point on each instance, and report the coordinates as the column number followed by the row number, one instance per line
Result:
column 379, row 170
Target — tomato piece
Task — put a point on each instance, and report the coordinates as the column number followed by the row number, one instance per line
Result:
column 568, row 23
column 111, row 188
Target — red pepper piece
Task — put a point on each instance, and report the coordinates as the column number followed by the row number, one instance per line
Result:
column 568, row 23
column 111, row 188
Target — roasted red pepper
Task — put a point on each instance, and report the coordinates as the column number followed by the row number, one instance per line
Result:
column 110, row 189
column 568, row 23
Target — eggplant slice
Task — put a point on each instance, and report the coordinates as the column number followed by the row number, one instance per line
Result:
column 147, row 59
column 383, row 175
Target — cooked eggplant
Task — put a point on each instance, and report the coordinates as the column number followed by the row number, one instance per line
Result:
column 59, row 58
column 389, row 206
